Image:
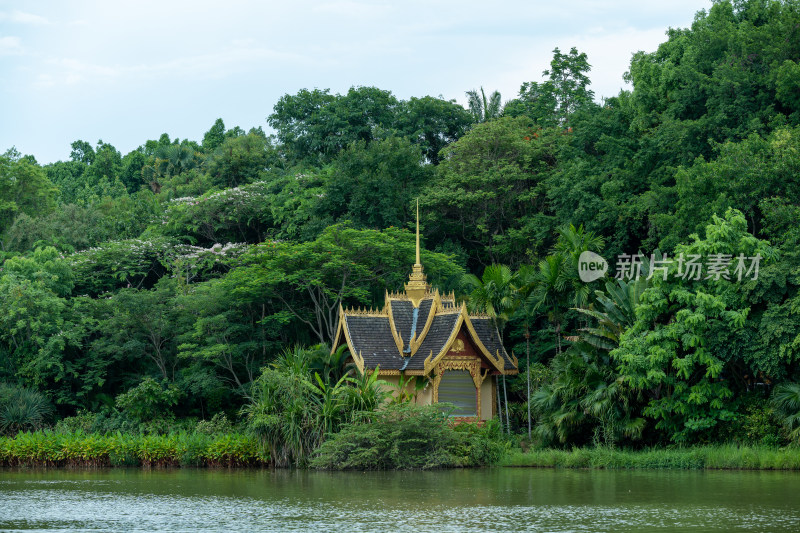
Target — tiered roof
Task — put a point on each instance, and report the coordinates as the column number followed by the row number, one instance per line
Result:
column 416, row 328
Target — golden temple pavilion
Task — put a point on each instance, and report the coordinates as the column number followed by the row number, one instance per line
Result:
column 420, row 332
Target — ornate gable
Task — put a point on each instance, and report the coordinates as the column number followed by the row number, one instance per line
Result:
column 417, row 329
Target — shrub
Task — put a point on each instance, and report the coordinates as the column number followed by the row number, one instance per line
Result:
column 83, row 421
column 22, row 409
column 218, row 424
column 148, row 400
column 406, row 436
column 292, row 412
column 756, row 425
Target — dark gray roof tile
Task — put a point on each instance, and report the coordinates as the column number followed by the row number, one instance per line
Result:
column 372, row 335
column 434, row 341
column 402, row 313
column 487, row 333
column 372, row 338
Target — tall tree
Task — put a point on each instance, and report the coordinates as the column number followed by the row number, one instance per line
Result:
column 314, row 126
column 688, row 333
column 373, row 184
column 553, row 102
column 24, row 188
column 307, row 282
column 214, row 136
column 570, row 82
column 483, row 108
column 488, row 193
column 432, row 123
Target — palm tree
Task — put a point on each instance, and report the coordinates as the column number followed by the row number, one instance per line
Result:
column 557, row 404
column 550, row 290
column 481, row 108
column 173, row 159
column 571, row 243
column 785, row 400
column 586, row 393
column 616, row 312
column 525, row 278
column 494, row 294
column 587, row 389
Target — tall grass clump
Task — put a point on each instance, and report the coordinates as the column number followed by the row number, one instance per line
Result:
column 22, row 409
column 722, row 457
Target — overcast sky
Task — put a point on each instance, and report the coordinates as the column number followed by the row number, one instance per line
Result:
column 125, row 72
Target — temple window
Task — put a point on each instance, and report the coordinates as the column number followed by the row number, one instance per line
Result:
column 458, row 388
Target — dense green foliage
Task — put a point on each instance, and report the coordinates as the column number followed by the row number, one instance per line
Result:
column 158, row 288
column 404, row 436
column 304, row 397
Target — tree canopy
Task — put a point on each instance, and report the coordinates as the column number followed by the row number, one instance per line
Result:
column 182, row 268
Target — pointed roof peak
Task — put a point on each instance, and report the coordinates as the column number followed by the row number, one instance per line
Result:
column 417, row 287
column 418, row 262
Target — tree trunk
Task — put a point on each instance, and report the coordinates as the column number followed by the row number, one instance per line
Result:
column 558, row 336
column 505, row 401
column 499, row 404
column 528, row 358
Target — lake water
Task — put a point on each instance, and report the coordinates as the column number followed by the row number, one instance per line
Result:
column 498, row 499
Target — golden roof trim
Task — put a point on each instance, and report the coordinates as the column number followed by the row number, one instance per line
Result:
column 400, row 296
column 449, row 297
column 358, row 359
column 498, row 361
column 339, row 328
column 398, row 339
column 363, row 311
column 429, row 362
column 451, row 311
column 417, row 342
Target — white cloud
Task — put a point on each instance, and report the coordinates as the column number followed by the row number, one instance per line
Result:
column 20, row 17
column 10, row 46
column 351, row 9
column 152, row 66
column 609, row 54
column 244, row 57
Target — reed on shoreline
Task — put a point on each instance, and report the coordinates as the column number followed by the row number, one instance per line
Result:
column 47, row 448
column 720, row 457
column 186, row 449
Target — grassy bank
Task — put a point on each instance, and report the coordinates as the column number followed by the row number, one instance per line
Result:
column 48, row 448
column 730, row 457
column 45, row 448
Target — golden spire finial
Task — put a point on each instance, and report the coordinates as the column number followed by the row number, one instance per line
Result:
column 418, row 261
column 416, row 288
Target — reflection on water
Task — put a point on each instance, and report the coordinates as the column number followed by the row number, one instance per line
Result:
column 469, row 500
